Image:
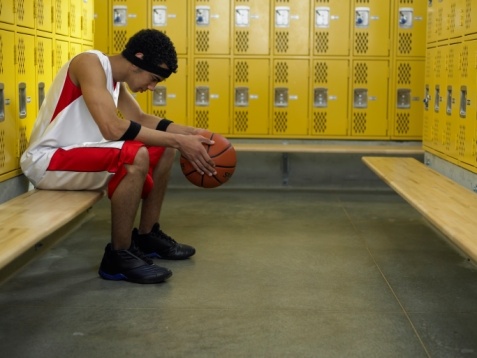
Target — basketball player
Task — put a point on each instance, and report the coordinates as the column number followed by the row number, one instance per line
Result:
column 79, row 143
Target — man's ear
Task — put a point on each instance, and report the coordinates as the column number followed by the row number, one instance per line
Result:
column 139, row 55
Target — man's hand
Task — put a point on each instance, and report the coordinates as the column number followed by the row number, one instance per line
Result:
column 192, row 148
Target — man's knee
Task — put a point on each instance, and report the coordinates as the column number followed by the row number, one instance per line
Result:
column 141, row 161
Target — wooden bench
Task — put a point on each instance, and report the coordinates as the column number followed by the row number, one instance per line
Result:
column 450, row 207
column 34, row 221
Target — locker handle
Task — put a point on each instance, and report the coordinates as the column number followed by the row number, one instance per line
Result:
column 463, row 102
column 449, row 101
column 437, row 98
column 22, row 97
column 41, row 93
column 2, row 102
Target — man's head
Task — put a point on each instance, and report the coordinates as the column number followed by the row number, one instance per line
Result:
column 155, row 49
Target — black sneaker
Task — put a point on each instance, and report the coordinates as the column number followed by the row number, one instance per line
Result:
column 131, row 265
column 159, row 245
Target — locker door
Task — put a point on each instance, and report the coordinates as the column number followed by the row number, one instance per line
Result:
column 44, row 67
column 428, row 112
column 169, row 99
column 170, row 16
column 62, row 50
column 449, row 114
column 87, row 20
column 8, row 119
column 331, row 23
column 251, row 96
column 74, row 49
column 211, row 94
column 470, row 20
column 291, row 27
column 370, row 98
column 212, row 27
column 290, row 97
column 251, row 27
column 76, row 12
column 455, row 18
column 371, row 28
column 128, row 18
column 431, row 21
column 25, row 16
column 44, row 20
column 27, row 107
column 406, row 103
column 437, row 92
column 410, row 18
column 7, row 15
column 61, row 19
column 102, row 25
column 330, row 97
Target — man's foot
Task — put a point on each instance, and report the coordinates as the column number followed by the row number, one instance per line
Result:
column 159, row 245
column 131, row 265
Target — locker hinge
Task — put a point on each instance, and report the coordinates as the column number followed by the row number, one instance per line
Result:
column 14, row 54
column 52, row 58
column 35, row 60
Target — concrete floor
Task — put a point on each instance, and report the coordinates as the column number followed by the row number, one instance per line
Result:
column 278, row 273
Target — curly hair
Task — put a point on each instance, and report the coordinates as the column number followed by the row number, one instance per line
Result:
column 156, row 47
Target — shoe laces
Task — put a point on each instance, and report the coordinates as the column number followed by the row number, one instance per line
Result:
column 137, row 252
column 162, row 235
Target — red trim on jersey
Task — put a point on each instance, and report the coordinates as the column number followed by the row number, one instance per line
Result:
column 69, row 93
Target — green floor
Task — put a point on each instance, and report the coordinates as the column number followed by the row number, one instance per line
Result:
column 278, row 273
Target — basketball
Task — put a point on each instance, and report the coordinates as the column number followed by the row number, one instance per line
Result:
column 222, row 153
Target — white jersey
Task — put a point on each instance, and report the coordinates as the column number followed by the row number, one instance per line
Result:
column 64, row 122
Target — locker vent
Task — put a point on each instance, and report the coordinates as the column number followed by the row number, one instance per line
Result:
column 468, row 14
column 464, row 65
column 59, row 56
column 202, row 119
column 438, row 22
column 21, row 57
column 362, row 1
column 404, row 74
column 321, row 42
column 40, row 16
column 359, row 123
column 119, row 40
column 72, row 20
column 281, row 72
column 361, row 73
column 451, row 19
column 241, row 41
column 406, row 2
column 202, row 71
column 450, row 64
column 282, row 1
column 1, row 53
column 402, row 123
column 361, row 44
column 281, row 41
column 321, row 72
column 438, row 65
column 281, row 119
column 241, row 121
column 319, row 122
column 58, row 14
column 160, row 113
column 405, row 43
column 322, row 1
column 241, row 72
column 2, row 148
column 447, row 137
column 20, row 9
column 430, row 21
column 23, row 140
column 202, row 41
column 41, row 58
column 461, row 141
column 435, row 132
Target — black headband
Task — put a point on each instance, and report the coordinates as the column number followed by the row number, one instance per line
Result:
column 146, row 65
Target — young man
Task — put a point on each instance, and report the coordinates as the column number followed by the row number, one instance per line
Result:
column 80, row 143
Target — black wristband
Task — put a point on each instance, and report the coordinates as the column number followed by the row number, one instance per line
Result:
column 163, row 124
column 132, row 131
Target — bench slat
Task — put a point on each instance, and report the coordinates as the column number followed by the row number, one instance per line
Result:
column 446, row 204
column 29, row 218
column 329, row 148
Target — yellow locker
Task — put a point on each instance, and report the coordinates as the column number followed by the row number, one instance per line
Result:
column 212, row 27
column 291, row 27
column 170, row 17
column 44, row 67
column 410, row 19
column 25, row 16
column 437, row 93
column 44, row 20
column 331, row 23
column 251, row 21
column 25, row 79
column 440, row 20
column 466, row 96
column 406, row 104
column 251, row 96
column 290, row 97
column 8, row 119
column 6, row 11
column 371, row 28
column 330, row 97
column 428, row 112
column 369, row 102
column 456, row 18
column 128, row 17
column 470, row 19
column 87, row 20
column 75, row 14
column 61, row 20
column 448, row 125
column 169, row 98
column 102, row 19
column 211, row 94
column 87, row 46
column 61, row 54
column 74, row 49
column 431, row 22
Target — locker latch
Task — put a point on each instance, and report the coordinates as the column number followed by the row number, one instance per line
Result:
column 320, row 97
column 159, row 96
column 437, row 98
column 2, row 102
column 449, row 100
column 362, row 17
column 360, row 98
column 202, row 15
column 463, row 102
column 241, row 96
column 202, row 96
column 41, row 93
column 22, row 100
column 159, row 15
column 406, row 15
column 281, row 97
column 403, row 98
